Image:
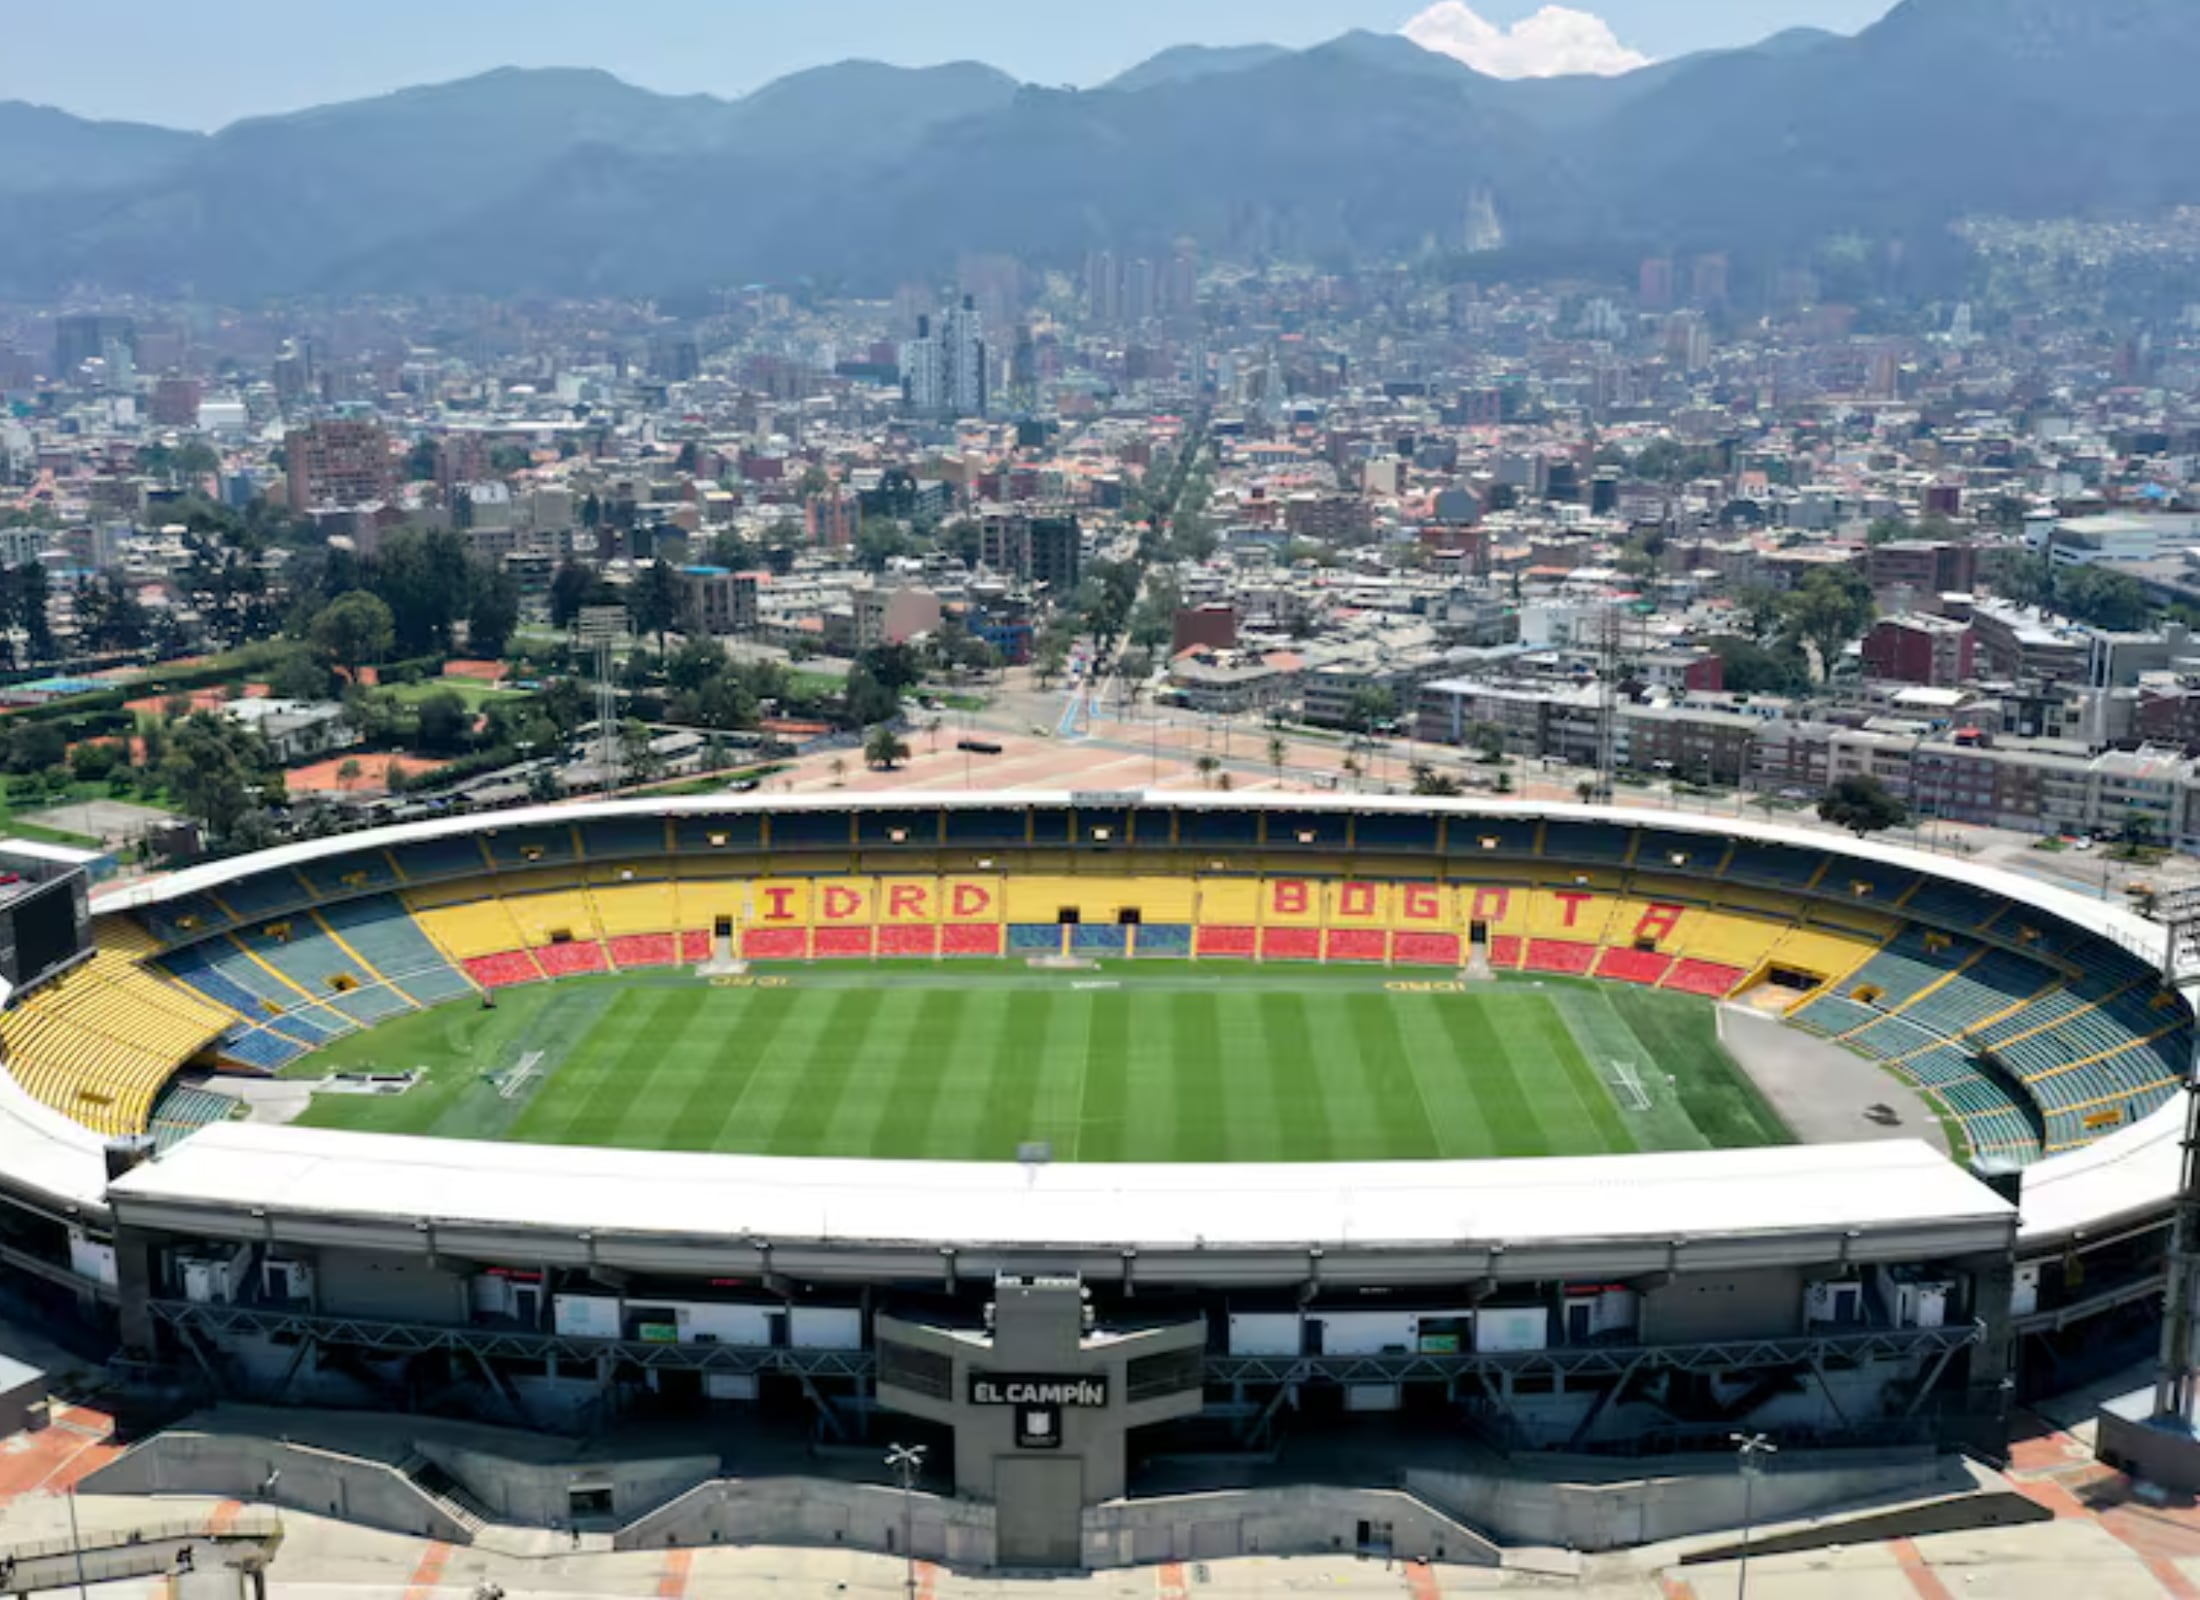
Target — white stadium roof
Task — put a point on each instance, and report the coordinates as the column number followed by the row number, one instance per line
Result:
column 297, row 1178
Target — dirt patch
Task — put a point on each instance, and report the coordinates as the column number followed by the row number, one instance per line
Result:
column 326, row 777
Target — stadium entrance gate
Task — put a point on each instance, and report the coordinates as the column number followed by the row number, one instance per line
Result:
column 1040, row 1411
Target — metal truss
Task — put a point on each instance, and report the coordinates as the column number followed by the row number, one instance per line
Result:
column 1604, row 1360
column 215, row 1322
column 405, row 1338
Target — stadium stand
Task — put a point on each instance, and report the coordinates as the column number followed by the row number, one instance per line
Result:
column 2030, row 1037
column 99, row 1042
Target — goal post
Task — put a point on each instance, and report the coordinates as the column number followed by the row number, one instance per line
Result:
column 1624, row 1079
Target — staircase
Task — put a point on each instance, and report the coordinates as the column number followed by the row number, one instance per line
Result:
column 449, row 1495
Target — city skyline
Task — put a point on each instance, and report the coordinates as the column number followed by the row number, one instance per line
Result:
column 129, row 60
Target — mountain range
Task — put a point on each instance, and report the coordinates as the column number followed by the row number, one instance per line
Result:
column 866, row 175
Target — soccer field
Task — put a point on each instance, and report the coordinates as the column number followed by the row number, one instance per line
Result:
column 1176, row 1063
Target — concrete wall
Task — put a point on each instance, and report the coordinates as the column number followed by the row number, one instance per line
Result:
column 961, row 1533
column 390, row 1288
column 818, row 1512
column 1294, row 1521
column 538, row 1494
column 1592, row 1514
column 1711, row 1305
column 320, row 1481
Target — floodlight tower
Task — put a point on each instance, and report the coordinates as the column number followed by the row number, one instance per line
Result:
column 2177, row 1382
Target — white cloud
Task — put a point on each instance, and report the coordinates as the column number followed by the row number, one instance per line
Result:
column 1555, row 41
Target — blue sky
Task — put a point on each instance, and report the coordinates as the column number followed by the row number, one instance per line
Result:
column 203, row 64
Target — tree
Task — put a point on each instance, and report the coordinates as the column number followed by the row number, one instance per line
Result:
column 1758, row 607
column 349, row 772
column 1749, row 668
column 1052, row 657
column 1886, row 530
column 2115, row 601
column 424, row 576
column 2135, row 835
column 2027, row 580
column 1208, row 766
column 573, row 587
column 1488, row 738
column 219, row 771
column 885, row 748
column 492, row 612
column 1862, row 805
column 879, row 542
column 1828, row 609
column 94, row 762
column 301, row 675
column 898, row 666
column 1350, row 766
column 865, row 700
column 1429, row 782
column 109, row 615
column 354, row 630
column 31, row 594
column 1372, row 708
column 1277, row 752
column 446, row 726
column 657, row 601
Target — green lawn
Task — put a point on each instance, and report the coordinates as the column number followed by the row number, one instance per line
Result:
column 1175, row 1063
column 475, row 693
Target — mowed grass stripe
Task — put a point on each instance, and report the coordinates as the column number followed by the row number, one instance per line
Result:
column 1106, row 1101
column 641, row 1024
column 1198, row 1100
column 1012, row 1105
column 1574, row 1045
column 1721, row 1104
column 708, row 1056
column 1294, row 1084
column 953, row 1129
column 1395, row 1034
column 782, row 1077
column 1252, row 1120
column 893, row 1052
column 1060, row 1094
column 737, row 1046
column 1495, row 1116
column 800, row 1130
column 905, row 1101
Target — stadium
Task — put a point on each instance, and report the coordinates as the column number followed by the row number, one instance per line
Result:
column 1143, row 1156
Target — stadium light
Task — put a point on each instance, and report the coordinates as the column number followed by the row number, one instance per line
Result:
column 907, row 1460
column 1748, row 1448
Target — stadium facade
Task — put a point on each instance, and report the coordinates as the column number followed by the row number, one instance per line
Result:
column 1061, row 1332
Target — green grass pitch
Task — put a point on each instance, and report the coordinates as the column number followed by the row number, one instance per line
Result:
column 1179, row 1063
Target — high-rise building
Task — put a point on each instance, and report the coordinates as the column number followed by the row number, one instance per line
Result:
column 1708, row 281
column 1655, row 286
column 338, row 464
column 943, row 372
column 832, row 517
column 89, row 336
column 1103, row 287
column 1139, row 302
column 1183, row 287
